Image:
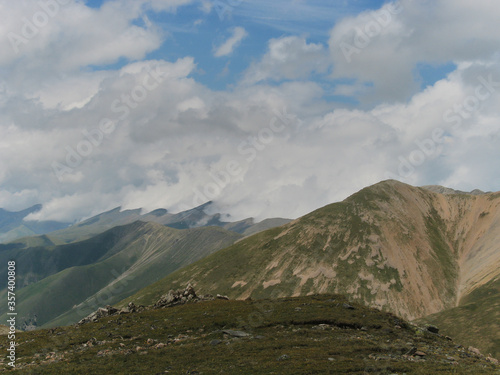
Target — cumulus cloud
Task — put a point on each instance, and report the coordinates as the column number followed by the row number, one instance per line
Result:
column 71, row 35
column 149, row 134
column 227, row 48
column 186, row 144
column 383, row 47
column 288, row 58
column 166, row 5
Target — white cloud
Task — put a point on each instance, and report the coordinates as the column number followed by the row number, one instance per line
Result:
column 227, row 48
column 166, row 5
column 288, row 58
column 206, row 6
column 383, row 47
column 72, row 35
column 180, row 138
column 184, row 137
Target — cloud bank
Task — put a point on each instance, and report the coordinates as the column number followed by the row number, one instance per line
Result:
column 81, row 138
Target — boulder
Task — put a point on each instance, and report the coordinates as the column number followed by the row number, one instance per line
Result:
column 101, row 312
column 433, row 329
column 173, row 298
column 233, row 333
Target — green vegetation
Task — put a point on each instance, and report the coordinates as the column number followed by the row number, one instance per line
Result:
column 479, row 311
column 319, row 334
column 370, row 196
column 326, row 250
column 445, row 267
column 68, row 282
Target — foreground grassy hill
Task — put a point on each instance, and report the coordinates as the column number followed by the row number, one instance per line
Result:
column 321, row 334
column 411, row 251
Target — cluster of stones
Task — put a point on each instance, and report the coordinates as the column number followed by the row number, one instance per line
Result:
column 172, row 298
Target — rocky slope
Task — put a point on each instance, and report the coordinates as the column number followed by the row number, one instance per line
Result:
column 404, row 249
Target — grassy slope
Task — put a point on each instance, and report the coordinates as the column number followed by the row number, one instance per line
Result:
column 480, row 313
column 131, row 257
column 170, row 254
column 36, row 263
column 221, row 268
column 264, row 225
column 245, row 261
column 305, row 335
column 95, row 225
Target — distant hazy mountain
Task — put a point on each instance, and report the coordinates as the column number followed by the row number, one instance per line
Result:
column 445, row 190
column 408, row 250
column 193, row 218
column 13, row 225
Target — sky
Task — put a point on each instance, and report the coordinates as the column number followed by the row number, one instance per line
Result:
column 266, row 108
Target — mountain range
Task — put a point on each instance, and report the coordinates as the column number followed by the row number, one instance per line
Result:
column 66, row 274
column 412, row 251
column 58, row 233
column 427, row 254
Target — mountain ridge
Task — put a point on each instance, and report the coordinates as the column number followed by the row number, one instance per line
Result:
column 195, row 217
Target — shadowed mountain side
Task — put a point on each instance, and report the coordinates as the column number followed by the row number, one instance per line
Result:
column 77, row 278
column 35, row 263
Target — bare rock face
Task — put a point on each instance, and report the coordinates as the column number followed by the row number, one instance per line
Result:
column 102, row 312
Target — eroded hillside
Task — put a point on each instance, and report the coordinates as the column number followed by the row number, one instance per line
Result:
column 408, row 250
